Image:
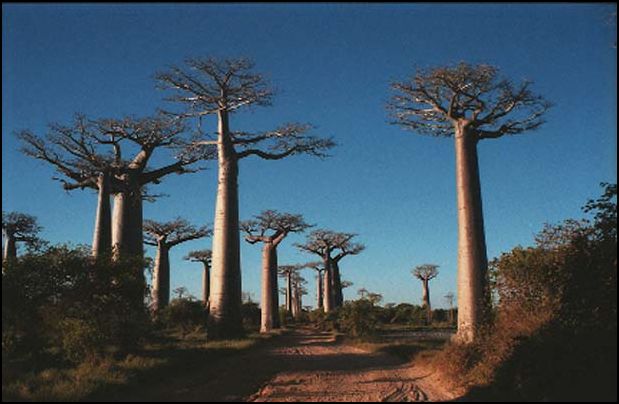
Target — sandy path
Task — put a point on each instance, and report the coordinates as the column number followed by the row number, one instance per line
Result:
column 303, row 366
column 318, row 369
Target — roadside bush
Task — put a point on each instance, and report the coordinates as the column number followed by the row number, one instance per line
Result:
column 358, row 319
column 250, row 313
column 185, row 315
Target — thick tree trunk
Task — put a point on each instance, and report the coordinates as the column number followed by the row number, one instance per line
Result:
column 161, row 279
column 426, row 300
column 102, row 238
column 319, row 291
column 10, row 248
column 127, row 221
column 327, row 291
column 338, row 296
column 225, row 300
column 269, row 282
column 289, row 293
column 206, row 284
column 472, row 259
column 275, row 290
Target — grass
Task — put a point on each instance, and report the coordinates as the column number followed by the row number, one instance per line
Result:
column 113, row 379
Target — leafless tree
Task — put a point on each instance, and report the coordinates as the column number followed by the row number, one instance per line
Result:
column 326, row 243
column 270, row 228
column 164, row 236
column 203, row 256
column 425, row 273
column 87, row 154
column 220, row 87
column 18, row 227
column 470, row 103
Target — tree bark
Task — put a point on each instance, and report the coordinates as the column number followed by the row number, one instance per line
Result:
column 289, row 293
column 319, row 291
column 472, row 259
column 206, row 284
column 269, row 282
column 338, row 296
column 161, row 278
column 225, row 301
column 327, row 291
column 426, row 300
column 127, row 233
column 10, row 248
column 102, row 238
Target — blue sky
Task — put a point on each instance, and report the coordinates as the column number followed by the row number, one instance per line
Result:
column 331, row 65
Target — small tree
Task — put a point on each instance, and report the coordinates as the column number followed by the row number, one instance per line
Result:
column 319, row 268
column 18, row 227
column 470, row 103
column 270, row 228
column 288, row 272
column 203, row 256
column 164, row 236
column 449, row 298
column 425, row 273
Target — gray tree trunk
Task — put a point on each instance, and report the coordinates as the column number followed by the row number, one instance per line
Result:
column 269, row 282
column 319, row 291
column 472, row 259
column 206, row 284
column 127, row 233
column 289, row 293
column 225, row 301
column 161, row 278
column 338, row 296
column 10, row 248
column 426, row 300
column 102, row 238
column 327, row 291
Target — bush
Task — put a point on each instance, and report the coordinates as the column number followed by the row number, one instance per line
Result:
column 358, row 319
column 60, row 298
column 185, row 315
column 250, row 313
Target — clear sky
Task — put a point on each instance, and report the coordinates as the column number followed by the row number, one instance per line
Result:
column 332, row 65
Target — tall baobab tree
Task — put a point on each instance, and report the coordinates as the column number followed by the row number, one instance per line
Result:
column 164, row 236
column 298, row 291
column 287, row 272
column 449, row 298
column 270, row 228
column 319, row 268
column 425, row 273
column 87, row 154
column 18, row 227
column 326, row 243
column 222, row 87
column 203, row 256
column 470, row 103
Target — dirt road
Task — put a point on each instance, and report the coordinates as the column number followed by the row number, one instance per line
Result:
column 302, row 366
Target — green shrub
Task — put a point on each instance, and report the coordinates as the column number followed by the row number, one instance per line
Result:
column 185, row 315
column 358, row 319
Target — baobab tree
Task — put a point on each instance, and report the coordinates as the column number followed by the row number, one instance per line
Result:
column 425, row 273
column 319, row 268
column 287, row 272
column 470, row 103
column 298, row 291
column 203, row 256
column 222, row 87
column 270, row 228
column 325, row 243
column 449, row 298
column 164, row 236
column 18, row 228
column 87, row 154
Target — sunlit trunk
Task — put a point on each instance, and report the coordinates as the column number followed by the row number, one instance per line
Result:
column 225, row 300
column 10, row 248
column 161, row 278
column 472, row 259
column 327, row 290
column 268, row 304
column 426, row 300
column 102, row 238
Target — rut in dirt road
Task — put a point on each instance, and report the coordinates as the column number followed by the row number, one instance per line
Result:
column 315, row 368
